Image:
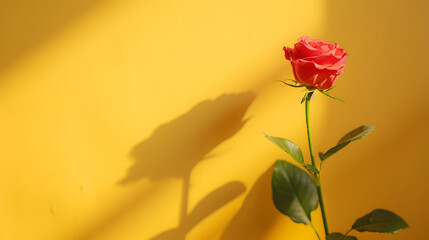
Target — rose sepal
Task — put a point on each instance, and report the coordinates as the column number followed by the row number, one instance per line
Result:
column 324, row 92
column 295, row 85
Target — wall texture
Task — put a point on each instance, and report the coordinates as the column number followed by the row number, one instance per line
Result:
column 144, row 119
column 385, row 85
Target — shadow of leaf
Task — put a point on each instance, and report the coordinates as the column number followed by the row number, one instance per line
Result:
column 257, row 215
column 204, row 208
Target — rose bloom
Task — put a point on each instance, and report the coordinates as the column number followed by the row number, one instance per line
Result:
column 316, row 63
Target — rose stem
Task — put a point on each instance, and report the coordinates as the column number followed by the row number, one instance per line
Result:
column 310, row 145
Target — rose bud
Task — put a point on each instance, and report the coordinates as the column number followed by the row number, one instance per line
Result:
column 316, row 63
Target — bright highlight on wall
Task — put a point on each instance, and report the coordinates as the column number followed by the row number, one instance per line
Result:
column 144, row 119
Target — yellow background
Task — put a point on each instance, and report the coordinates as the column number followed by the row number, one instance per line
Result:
column 144, row 119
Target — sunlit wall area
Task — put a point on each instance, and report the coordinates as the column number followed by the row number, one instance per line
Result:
column 385, row 84
column 144, row 119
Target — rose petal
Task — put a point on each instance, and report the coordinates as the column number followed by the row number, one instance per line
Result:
column 326, row 79
column 308, row 39
column 326, row 59
column 316, row 63
column 306, row 72
column 318, row 44
column 325, row 48
column 304, row 39
column 305, row 50
column 289, row 53
column 340, row 64
column 315, row 45
column 339, row 52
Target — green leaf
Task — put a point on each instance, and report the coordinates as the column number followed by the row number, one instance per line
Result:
column 311, row 168
column 289, row 147
column 339, row 236
column 294, row 192
column 381, row 221
column 304, row 98
column 354, row 135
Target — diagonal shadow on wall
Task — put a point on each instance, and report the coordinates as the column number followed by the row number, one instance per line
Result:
column 172, row 151
column 208, row 205
column 175, row 148
column 257, row 215
column 26, row 24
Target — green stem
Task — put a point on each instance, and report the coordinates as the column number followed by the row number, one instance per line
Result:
column 348, row 232
column 307, row 120
column 310, row 145
column 322, row 208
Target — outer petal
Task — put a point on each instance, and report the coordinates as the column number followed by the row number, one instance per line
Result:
column 326, row 79
column 340, row 64
column 317, row 44
column 307, row 39
column 306, row 72
column 289, row 53
column 304, row 50
column 304, row 39
column 339, row 52
column 326, row 59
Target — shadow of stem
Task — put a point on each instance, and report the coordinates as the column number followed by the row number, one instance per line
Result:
column 208, row 205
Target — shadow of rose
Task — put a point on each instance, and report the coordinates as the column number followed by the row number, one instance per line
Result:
column 176, row 147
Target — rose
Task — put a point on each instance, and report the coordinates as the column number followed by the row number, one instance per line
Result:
column 316, row 63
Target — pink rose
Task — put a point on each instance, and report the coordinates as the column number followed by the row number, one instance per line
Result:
column 316, row 63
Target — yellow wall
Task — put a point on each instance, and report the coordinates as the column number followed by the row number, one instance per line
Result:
column 385, row 84
column 143, row 119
